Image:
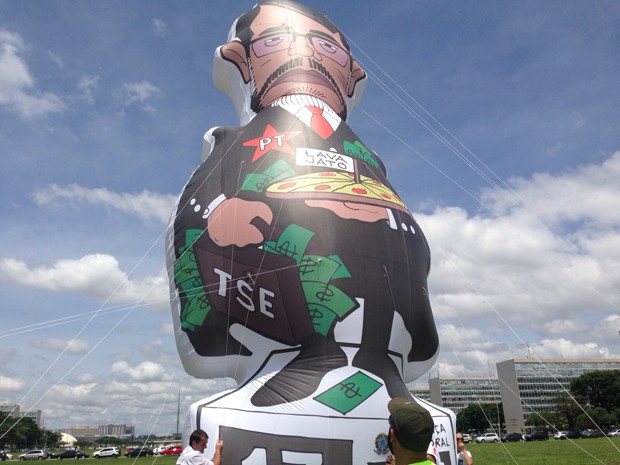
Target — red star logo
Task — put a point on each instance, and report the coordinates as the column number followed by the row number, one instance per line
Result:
column 271, row 140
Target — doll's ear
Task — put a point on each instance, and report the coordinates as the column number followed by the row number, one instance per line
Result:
column 234, row 51
column 357, row 75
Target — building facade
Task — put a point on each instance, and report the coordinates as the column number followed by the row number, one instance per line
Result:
column 423, row 393
column 117, row 431
column 458, row 393
column 14, row 410
column 83, row 433
column 530, row 386
column 9, row 409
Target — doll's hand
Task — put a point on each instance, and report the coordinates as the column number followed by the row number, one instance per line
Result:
column 231, row 222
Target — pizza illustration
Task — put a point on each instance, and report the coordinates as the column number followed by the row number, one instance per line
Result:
column 340, row 186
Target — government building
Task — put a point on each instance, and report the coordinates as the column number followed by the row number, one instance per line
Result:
column 523, row 386
column 532, row 386
column 458, row 393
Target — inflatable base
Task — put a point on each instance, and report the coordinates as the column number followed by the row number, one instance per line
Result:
column 344, row 422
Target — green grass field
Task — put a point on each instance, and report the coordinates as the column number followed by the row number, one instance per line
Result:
column 598, row 451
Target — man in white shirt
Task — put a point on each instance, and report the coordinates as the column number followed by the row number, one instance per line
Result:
column 193, row 454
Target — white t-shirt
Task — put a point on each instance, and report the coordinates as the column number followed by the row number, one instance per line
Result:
column 461, row 459
column 190, row 456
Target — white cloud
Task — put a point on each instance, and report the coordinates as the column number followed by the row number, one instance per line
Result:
column 75, row 346
column 515, row 260
column 159, row 27
column 76, row 394
column 608, row 328
column 139, row 93
column 574, row 121
column 145, row 371
column 144, row 395
column 11, row 384
column 547, row 270
column 588, row 196
column 564, row 348
column 18, row 91
column 86, row 85
column 56, row 59
column 86, row 378
column 145, row 205
column 96, row 275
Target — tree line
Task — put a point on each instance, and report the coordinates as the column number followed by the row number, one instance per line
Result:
column 23, row 433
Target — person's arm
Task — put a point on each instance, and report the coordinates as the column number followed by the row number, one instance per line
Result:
column 217, row 456
column 467, row 457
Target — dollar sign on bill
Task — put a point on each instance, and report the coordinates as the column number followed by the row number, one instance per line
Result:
column 308, row 265
column 261, row 186
column 286, row 249
column 203, row 302
column 350, row 390
column 325, row 294
column 315, row 314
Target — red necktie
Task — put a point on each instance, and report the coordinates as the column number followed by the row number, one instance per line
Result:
column 319, row 124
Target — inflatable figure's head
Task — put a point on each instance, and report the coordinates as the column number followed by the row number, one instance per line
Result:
column 281, row 48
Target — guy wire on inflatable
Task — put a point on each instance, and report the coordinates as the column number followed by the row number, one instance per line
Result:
column 295, row 268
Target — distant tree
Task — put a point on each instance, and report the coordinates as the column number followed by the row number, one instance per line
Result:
column 595, row 418
column 7, row 433
column 109, row 441
column 567, row 410
column 23, row 433
column 542, row 420
column 599, row 388
column 52, row 440
column 480, row 417
column 27, row 433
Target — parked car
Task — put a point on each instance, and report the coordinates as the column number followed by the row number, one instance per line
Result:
column 536, row 436
column 107, row 452
column 614, row 433
column 71, row 454
column 567, row 435
column 512, row 437
column 5, row 455
column 466, row 438
column 488, row 437
column 592, row 433
column 141, row 452
column 173, row 450
column 35, row 454
column 128, row 451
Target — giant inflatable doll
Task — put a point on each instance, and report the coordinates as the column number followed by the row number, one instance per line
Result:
column 295, row 267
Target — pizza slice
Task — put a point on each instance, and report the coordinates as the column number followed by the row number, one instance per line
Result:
column 340, row 186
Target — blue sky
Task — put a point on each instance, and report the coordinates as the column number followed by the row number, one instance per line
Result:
column 498, row 121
